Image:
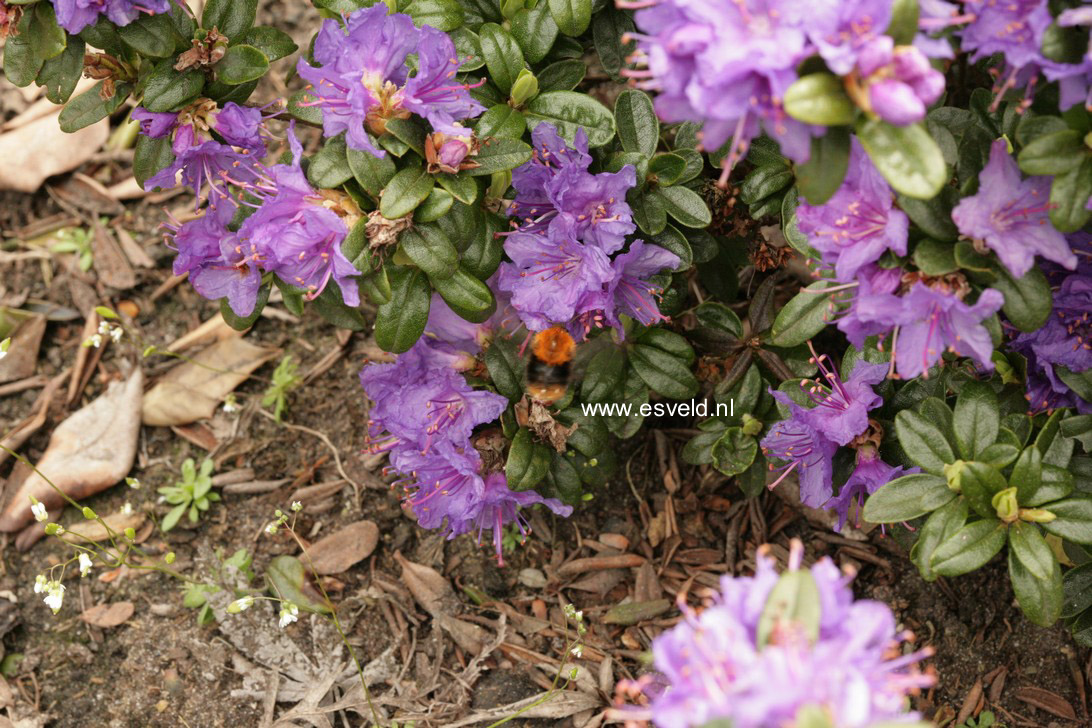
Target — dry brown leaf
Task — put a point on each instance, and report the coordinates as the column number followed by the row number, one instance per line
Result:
column 22, row 355
column 431, row 590
column 111, row 265
column 84, row 531
column 1044, row 699
column 90, row 451
column 108, row 615
column 40, row 149
column 560, row 705
column 343, row 548
column 193, row 390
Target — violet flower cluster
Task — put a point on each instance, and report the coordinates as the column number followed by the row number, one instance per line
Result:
column 922, row 317
column 569, row 222
column 362, row 80
column 75, row 15
column 722, row 664
column 424, row 415
column 289, row 231
column 838, row 417
column 1066, row 338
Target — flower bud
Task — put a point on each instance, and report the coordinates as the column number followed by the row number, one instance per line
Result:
column 954, row 472
column 751, row 425
column 525, row 88
column 1006, row 505
column 89, row 514
column 169, row 558
column 1037, row 515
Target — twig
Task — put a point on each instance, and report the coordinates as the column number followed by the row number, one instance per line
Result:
column 325, row 439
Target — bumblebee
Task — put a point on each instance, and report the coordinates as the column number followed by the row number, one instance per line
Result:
column 550, row 366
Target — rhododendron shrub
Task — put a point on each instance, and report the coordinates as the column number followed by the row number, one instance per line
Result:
column 862, row 227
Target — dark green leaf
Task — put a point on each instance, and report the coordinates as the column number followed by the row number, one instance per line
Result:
column 443, row 15
column 969, row 548
column 242, row 323
column 230, row 17
column 804, row 316
column 1027, row 474
column 603, row 375
column 1069, row 196
column 371, row 172
column 663, row 372
column 59, row 75
column 819, row 98
column 466, row 295
column 1074, row 519
column 435, row 206
column 668, row 169
column 1032, row 549
column 904, row 21
column 150, row 156
column 410, row 131
column 717, row 315
column 502, row 54
column 906, row 156
column 535, row 31
column 1040, row 599
column 761, row 182
column 1053, row 153
column 563, row 75
column 906, row 498
column 309, row 114
column 922, row 442
column 505, row 368
column 169, row 90
column 684, row 205
column 979, row 483
column 329, row 168
column 609, row 26
column 528, row 461
column 935, row 258
column 88, row 107
column 273, row 43
column 933, row 216
column 635, row 119
column 821, row 176
column 406, row 190
column 287, row 580
column 570, row 111
column 501, row 121
column 21, row 60
column 400, row 322
column 430, row 250
column 1078, row 590
column 938, row 528
column 1028, row 300
column 154, row 36
column 462, row 188
column 977, row 419
column 44, row 35
column 734, row 452
column 649, row 212
column 469, row 48
column 331, row 306
column 572, row 16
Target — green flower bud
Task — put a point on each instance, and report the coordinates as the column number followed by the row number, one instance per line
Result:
column 954, row 473
column 499, row 183
column 53, row 529
column 1006, row 505
column 169, row 558
column 525, row 88
column 130, row 534
column 751, row 425
column 89, row 514
column 1037, row 515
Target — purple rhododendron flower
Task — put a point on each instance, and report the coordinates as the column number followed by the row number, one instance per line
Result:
column 841, row 407
column 727, row 65
column 1013, row 28
column 299, row 237
column 550, row 275
column 804, row 449
column 1011, row 215
column 362, row 80
column 870, row 475
column 555, row 190
column 859, row 223
column 716, row 669
column 444, row 487
column 875, row 309
column 75, row 15
column 155, row 125
column 501, row 505
column 934, row 16
column 900, row 83
column 1065, row 340
column 241, row 126
column 840, row 30
column 933, row 321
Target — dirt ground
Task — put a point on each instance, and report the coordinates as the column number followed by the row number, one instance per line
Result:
column 160, row 667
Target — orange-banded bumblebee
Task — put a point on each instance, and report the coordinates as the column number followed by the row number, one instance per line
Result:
column 550, row 365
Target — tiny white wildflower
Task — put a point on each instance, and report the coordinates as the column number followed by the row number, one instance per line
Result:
column 85, row 564
column 241, row 604
column 41, row 584
column 271, row 528
column 4, row 347
column 132, row 483
column 40, row 513
column 230, row 404
column 297, row 506
column 577, row 650
column 95, row 341
column 104, row 328
column 116, row 333
column 127, row 509
column 289, row 614
column 55, row 596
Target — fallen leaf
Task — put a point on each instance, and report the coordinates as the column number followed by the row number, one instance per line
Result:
column 1046, row 700
column 599, row 563
column 287, row 579
column 111, row 265
column 40, row 149
column 194, row 389
column 88, row 194
column 431, row 590
column 561, row 704
column 633, row 612
column 22, row 354
column 87, row 453
column 343, row 548
column 108, row 615
column 84, row 531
